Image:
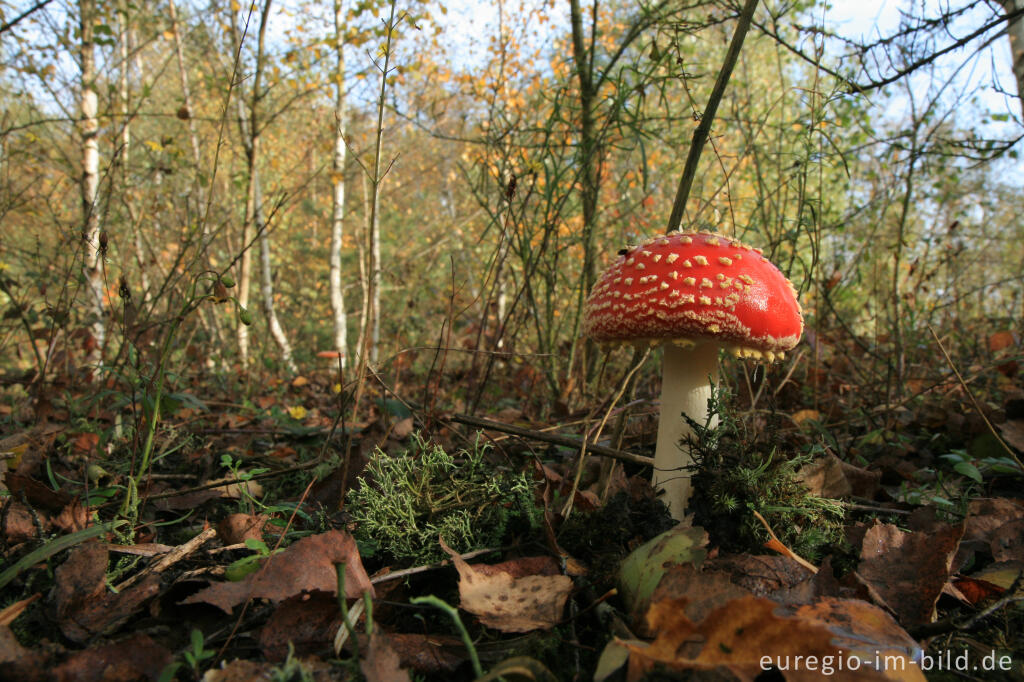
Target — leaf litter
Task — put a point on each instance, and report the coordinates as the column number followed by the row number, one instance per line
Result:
column 681, row 603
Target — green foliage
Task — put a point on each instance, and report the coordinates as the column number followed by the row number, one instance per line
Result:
column 403, row 504
column 736, row 476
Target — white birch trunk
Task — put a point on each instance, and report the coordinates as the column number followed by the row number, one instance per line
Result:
column 338, row 180
column 267, row 283
column 89, row 129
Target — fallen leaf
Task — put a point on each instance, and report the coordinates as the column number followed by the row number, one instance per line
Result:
column 908, row 570
column 84, row 606
column 1002, row 574
column 975, row 590
column 749, row 635
column 37, row 494
column 800, row 417
column 1007, row 541
column 133, row 658
column 381, row 663
column 299, row 382
column 833, row 478
column 83, row 444
column 235, row 529
column 305, row 566
column 308, row 622
column 508, row 598
column 19, row 522
column 642, row 571
column 73, row 517
column 402, row 428
column 1012, row 432
column 985, row 515
column 429, row 653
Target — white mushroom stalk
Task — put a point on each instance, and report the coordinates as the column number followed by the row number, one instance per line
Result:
column 695, row 293
column 688, row 377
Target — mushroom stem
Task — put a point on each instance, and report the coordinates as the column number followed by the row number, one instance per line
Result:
column 687, row 378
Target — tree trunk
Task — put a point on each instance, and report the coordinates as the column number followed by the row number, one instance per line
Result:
column 267, row 284
column 91, row 234
column 250, row 133
column 1015, row 32
column 338, row 180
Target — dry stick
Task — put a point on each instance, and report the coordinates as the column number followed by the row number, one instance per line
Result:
column 174, row 556
column 554, row 438
column 700, row 135
column 981, row 413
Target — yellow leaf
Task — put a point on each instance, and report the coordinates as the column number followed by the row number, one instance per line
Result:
column 298, row 412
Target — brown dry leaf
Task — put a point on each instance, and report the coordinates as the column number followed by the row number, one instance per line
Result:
column 985, row 515
column 133, row 658
column 703, row 590
column 831, row 477
column 1012, row 432
column 73, row 517
column 429, row 654
column 305, row 566
column 402, row 428
column 84, row 606
column 308, row 622
column 235, row 529
column 83, row 444
column 19, row 523
column 743, row 635
column 299, row 382
column 512, row 597
column 909, row 570
column 381, row 663
column 10, row 648
column 974, row 590
column 802, row 416
column 1007, row 541
column 762, row 576
column 37, row 494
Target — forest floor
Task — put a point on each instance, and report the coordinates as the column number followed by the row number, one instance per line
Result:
column 822, row 544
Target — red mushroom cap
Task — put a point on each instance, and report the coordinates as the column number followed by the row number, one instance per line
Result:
column 696, row 287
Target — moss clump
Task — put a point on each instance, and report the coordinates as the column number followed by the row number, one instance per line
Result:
column 735, row 476
column 403, row 504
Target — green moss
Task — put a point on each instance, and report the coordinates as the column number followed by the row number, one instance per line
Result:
column 403, row 504
column 735, row 476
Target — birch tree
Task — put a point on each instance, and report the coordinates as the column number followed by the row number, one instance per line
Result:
column 93, row 242
column 338, row 182
column 254, row 223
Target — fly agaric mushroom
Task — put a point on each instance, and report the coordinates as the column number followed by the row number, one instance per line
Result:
column 693, row 293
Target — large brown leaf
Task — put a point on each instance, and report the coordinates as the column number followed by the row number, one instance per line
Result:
column 305, row 566
column 909, row 570
column 747, row 636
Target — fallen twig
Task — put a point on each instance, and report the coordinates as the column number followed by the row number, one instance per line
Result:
column 555, row 438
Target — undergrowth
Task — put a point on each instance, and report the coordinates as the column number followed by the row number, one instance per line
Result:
column 403, row 504
column 735, row 475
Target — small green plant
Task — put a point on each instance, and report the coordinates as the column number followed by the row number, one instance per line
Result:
column 194, row 657
column 237, row 570
column 154, row 400
column 735, row 476
column 403, row 504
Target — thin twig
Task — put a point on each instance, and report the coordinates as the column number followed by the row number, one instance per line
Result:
column 700, row 135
